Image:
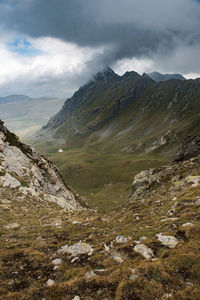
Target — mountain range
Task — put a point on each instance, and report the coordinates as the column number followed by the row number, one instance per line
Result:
column 116, row 125
column 156, row 76
column 25, row 115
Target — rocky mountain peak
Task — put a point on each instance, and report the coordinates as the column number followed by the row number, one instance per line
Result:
column 106, row 75
column 26, row 174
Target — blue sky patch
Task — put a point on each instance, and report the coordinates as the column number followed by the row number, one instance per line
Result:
column 23, row 47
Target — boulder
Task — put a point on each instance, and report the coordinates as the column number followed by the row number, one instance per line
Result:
column 168, row 241
column 144, row 251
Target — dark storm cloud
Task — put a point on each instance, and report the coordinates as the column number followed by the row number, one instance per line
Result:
column 131, row 28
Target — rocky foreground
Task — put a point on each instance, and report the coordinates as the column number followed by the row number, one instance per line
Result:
column 148, row 249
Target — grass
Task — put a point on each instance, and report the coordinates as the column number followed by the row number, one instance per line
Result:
column 27, row 252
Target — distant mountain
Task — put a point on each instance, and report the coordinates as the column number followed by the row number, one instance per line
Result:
column 14, row 98
column 25, row 115
column 156, row 76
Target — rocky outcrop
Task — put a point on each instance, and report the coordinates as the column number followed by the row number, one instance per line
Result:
column 29, row 173
column 189, row 148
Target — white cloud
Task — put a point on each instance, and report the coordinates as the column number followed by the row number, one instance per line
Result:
column 138, row 65
column 56, row 71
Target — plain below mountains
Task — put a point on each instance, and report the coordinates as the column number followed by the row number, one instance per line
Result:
column 25, row 115
column 116, row 125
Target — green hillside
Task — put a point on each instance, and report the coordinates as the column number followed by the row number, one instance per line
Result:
column 114, row 127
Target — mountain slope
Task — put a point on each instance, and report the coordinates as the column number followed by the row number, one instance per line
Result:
column 147, row 249
column 111, row 127
column 13, row 98
column 25, row 174
column 156, row 76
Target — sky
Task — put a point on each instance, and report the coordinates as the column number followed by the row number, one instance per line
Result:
column 52, row 47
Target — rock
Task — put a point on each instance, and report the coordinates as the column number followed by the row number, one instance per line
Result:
column 121, row 239
column 4, row 201
column 76, row 223
column 168, row 241
column 189, row 148
column 143, row 238
column 76, row 298
column 132, row 277
column 193, row 180
column 145, row 179
column 171, row 211
column 116, row 256
column 21, row 167
column 9, row 181
column 12, row 226
column 57, row 261
column 107, row 249
column 187, row 224
column 166, row 296
column 50, row 282
column 144, row 251
column 90, row 274
column 77, row 249
column 168, row 219
column 74, row 259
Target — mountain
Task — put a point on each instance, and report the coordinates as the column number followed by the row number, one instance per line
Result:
column 25, row 115
column 146, row 249
column 117, row 124
column 14, row 98
column 156, row 76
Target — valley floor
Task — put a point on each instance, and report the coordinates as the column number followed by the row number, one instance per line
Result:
column 47, row 253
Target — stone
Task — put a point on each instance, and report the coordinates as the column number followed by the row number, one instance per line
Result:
column 76, row 223
column 50, row 282
column 121, row 239
column 189, row 148
column 76, row 298
column 12, row 226
column 57, row 261
column 188, row 224
column 132, row 277
column 90, row 274
column 116, row 256
column 4, row 201
column 144, row 251
column 171, row 211
column 9, row 181
column 143, row 238
column 168, row 241
column 193, row 180
column 77, row 249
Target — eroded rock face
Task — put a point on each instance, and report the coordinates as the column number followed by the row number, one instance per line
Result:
column 21, row 168
column 189, row 148
column 144, row 180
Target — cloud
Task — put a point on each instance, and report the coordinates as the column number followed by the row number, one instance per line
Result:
column 56, row 70
column 142, row 34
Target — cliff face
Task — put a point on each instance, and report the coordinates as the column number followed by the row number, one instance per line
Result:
column 27, row 174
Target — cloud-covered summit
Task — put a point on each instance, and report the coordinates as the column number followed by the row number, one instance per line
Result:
column 163, row 33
